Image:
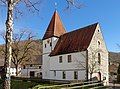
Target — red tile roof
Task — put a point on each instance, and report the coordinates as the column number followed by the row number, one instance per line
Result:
column 74, row 41
column 55, row 27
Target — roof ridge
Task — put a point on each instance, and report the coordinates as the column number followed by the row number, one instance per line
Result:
column 81, row 28
column 55, row 20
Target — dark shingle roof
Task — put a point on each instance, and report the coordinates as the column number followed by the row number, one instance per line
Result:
column 55, row 27
column 74, row 41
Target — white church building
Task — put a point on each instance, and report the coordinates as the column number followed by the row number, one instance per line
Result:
column 77, row 55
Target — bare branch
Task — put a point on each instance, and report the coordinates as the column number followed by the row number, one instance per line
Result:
column 4, row 1
column 74, row 3
column 17, row 11
column 118, row 45
column 30, row 4
column 16, row 2
column 80, row 64
column 3, row 35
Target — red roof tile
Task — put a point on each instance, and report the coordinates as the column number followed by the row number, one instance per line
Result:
column 74, row 41
column 55, row 27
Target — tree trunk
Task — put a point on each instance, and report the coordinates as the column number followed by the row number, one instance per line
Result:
column 8, row 48
column 90, row 76
column 16, row 70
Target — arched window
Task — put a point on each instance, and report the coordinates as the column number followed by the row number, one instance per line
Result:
column 98, row 43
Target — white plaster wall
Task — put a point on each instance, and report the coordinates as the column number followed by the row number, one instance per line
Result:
column 69, row 75
column 46, row 66
column 69, row 68
column 46, row 57
column 78, row 56
column 58, row 75
column 13, row 71
column 28, row 68
column 54, row 41
column 26, row 72
column 82, row 75
column 48, row 47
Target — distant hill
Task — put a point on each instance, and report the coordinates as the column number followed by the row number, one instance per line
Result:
column 114, row 60
column 36, row 44
column 114, row 57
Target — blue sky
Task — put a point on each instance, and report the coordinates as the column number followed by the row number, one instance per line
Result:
column 106, row 12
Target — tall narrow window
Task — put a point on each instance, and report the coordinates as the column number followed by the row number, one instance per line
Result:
column 69, row 59
column 98, row 43
column 60, row 59
column 45, row 45
column 50, row 44
column 54, row 73
column 75, row 75
column 64, row 75
column 24, row 67
column 99, row 58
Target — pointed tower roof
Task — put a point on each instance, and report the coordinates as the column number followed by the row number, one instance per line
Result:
column 55, row 27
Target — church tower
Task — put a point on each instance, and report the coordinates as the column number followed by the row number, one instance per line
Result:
column 54, row 31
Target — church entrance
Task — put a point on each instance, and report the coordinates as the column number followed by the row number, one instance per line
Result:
column 99, row 76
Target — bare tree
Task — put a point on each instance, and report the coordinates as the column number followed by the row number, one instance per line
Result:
column 11, row 5
column 93, row 62
column 22, row 50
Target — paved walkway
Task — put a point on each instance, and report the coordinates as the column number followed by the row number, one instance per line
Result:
column 114, row 86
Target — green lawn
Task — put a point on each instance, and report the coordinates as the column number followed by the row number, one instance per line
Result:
column 15, row 84
column 22, row 84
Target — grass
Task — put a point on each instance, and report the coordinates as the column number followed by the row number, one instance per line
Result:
column 22, row 84
column 15, row 84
